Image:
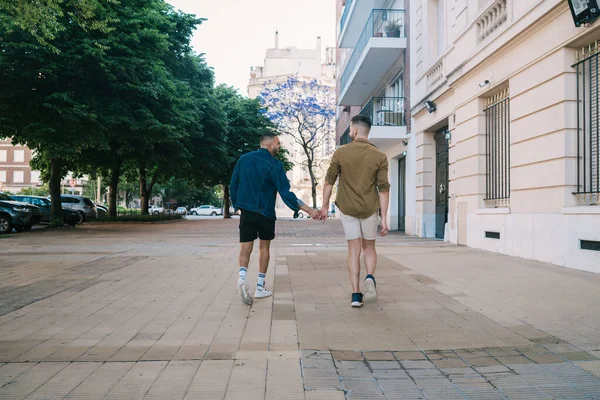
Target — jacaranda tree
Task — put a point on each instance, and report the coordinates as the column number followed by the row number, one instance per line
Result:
column 305, row 112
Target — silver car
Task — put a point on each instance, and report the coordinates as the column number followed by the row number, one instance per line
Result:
column 84, row 206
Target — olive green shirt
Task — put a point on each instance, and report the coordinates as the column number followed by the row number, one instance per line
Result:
column 363, row 172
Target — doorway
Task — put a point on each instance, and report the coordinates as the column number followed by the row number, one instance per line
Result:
column 441, row 181
column 402, row 194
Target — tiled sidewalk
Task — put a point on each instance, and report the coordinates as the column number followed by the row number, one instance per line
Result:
column 151, row 311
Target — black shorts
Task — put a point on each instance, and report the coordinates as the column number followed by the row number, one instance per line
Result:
column 253, row 225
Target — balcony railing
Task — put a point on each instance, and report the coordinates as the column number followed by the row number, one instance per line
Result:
column 347, row 8
column 345, row 138
column 385, row 111
column 381, row 23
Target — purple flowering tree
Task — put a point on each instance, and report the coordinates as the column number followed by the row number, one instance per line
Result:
column 305, row 112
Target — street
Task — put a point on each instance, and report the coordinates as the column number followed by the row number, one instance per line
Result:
column 151, row 311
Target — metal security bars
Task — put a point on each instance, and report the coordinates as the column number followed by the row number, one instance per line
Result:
column 385, row 111
column 497, row 144
column 588, row 123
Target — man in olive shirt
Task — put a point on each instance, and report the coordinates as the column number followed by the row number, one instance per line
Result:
column 364, row 188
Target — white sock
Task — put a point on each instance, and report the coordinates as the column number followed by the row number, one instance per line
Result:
column 243, row 271
column 261, row 279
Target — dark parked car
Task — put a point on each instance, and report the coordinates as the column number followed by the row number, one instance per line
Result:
column 17, row 215
column 70, row 217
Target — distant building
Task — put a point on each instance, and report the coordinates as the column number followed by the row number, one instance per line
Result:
column 17, row 174
column 306, row 65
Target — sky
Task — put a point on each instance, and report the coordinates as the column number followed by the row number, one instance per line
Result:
column 237, row 33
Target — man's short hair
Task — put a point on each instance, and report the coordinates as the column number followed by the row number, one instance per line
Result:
column 362, row 120
column 267, row 138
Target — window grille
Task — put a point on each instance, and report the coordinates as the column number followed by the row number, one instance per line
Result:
column 497, row 144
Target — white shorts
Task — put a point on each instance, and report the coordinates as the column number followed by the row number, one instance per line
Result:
column 356, row 228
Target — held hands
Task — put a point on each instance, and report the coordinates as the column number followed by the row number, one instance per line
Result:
column 315, row 214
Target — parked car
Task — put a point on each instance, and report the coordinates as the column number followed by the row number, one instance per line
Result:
column 205, row 210
column 84, row 206
column 181, row 210
column 101, row 210
column 70, row 217
column 155, row 210
column 17, row 215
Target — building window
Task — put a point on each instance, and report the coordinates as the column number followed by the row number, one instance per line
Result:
column 35, row 177
column 497, row 144
column 3, row 157
column 3, row 176
column 18, row 176
column 588, row 125
column 19, row 156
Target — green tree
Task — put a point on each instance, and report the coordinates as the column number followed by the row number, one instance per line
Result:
column 245, row 126
column 45, row 20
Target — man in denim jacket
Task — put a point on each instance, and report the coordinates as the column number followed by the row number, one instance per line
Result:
column 257, row 178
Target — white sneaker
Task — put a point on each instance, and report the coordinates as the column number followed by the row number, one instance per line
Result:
column 244, row 291
column 261, row 292
column 370, row 291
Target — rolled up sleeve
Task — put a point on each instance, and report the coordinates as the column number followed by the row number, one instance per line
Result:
column 383, row 184
column 334, row 169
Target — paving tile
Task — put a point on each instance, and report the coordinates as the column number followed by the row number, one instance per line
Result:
column 138, row 380
column 384, row 365
column 450, row 363
column 211, row 380
column 514, row 360
column 379, row 356
column 390, row 374
column 63, row 383
column 29, row 381
column 409, row 355
column 577, row 356
column 417, row 364
column 325, row 395
column 544, row 358
column 484, row 362
column 174, row 380
column 284, row 380
column 351, row 365
column 248, row 380
column 101, row 381
column 347, row 355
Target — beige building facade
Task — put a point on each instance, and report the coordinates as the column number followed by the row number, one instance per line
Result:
column 505, row 128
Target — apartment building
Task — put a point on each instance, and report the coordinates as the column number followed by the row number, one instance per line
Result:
column 15, row 172
column 504, row 97
column 306, row 65
column 373, row 61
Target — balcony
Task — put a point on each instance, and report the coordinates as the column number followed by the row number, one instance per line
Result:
column 382, row 41
column 354, row 16
column 388, row 118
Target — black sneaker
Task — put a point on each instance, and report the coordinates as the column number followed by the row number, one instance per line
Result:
column 370, row 289
column 357, row 300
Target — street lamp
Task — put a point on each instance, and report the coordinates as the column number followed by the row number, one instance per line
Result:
column 584, row 11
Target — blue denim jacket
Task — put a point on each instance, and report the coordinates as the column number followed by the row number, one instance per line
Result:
column 256, row 179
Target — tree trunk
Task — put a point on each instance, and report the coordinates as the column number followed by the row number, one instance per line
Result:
column 144, row 197
column 54, row 186
column 115, row 174
column 226, row 202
